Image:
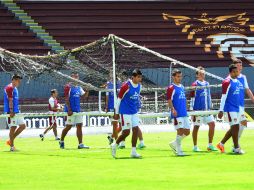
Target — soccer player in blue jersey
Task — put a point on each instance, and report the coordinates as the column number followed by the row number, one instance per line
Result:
column 109, row 107
column 116, row 124
column 127, row 107
column 11, row 106
column 201, row 100
column 230, row 105
column 178, row 107
column 244, row 88
column 72, row 93
column 141, row 144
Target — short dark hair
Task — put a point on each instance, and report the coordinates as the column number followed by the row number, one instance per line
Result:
column 16, row 76
column 200, row 68
column 176, row 71
column 74, row 73
column 236, row 61
column 53, row 91
column 231, row 67
column 136, row 72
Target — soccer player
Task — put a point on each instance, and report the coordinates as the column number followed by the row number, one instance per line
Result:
column 54, row 106
column 141, row 144
column 11, row 106
column 127, row 106
column 72, row 93
column 244, row 87
column 230, row 103
column 178, row 106
column 116, row 124
column 109, row 107
column 201, row 100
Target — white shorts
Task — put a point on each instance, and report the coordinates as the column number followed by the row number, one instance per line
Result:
column 242, row 114
column 129, row 121
column 15, row 121
column 74, row 119
column 182, row 122
column 233, row 118
column 199, row 120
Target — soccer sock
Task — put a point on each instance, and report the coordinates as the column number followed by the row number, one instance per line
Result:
column 178, row 139
column 133, row 149
column 241, row 128
column 195, row 146
column 178, row 142
column 210, row 144
column 142, row 142
column 221, row 144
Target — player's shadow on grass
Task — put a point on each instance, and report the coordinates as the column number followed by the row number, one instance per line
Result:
column 17, row 151
column 51, row 155
column 102, row 148
column 128, row 158
column 175, row 156
column 199, row 153
column 233, row 154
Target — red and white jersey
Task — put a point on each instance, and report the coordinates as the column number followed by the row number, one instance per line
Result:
column 53, row 104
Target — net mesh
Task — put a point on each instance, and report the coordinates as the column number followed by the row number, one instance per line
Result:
column 94, row 64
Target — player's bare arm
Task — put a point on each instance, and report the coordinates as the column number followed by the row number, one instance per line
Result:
column 171, row 107
column 12, row 114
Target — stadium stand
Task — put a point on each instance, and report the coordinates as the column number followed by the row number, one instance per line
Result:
column 18, row 38
column 76, row 23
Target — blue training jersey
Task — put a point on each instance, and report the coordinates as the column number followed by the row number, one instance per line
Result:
column 11, row 92
column 231, row 88
column 202, row 97
column 73, row 93
column 177, row 95
column 110, row 86
column 130, row 100
column 243, row 85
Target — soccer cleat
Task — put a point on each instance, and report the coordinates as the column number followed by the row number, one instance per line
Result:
column 8, row 142
column 196, row 149
column 181, row 153
column 57, row 139
column 61, row 143
column 113, row 150
column 141, row 146
column 82, row 146
column 12, row 149
column 173, row 146
column 110, row 140
column 238, row 151
column 121, row 145
column 221, row 148
column 42, row 137
column 211, row 148
column 233, row 149
column 135, row 155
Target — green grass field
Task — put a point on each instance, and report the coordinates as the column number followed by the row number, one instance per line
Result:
column 42, row 165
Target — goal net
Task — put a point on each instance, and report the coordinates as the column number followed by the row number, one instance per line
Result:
column 110, row 58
